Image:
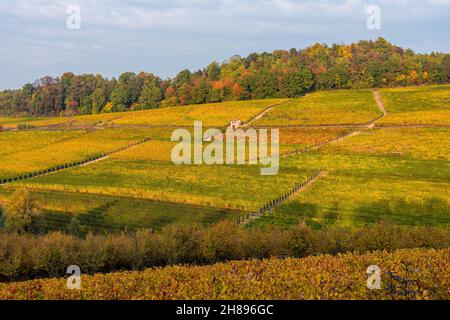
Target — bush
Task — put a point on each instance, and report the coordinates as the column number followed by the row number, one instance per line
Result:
column 300, row 241
column 75, row 228
column 183, row 243
column 20, row 211
column 224, row 242
column 26, row 256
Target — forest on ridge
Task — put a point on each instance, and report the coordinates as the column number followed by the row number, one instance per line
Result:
column 282, row 73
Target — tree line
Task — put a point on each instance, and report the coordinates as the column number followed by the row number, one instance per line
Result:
column 282, row 73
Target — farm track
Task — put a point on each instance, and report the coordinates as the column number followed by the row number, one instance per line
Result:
column 369, row 125
column 380, row 102
column 263, row 113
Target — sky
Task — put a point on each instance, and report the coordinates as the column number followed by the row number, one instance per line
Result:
column 166, row 36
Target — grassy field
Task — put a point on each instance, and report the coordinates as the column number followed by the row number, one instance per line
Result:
column 30, row 141
column 63, row 122
column 320, row 277
column 427, row 105
column 417, row 143
column 324, row 108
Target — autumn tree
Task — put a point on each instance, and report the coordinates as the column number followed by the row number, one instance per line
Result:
column 98, row 100
column 20, row 212
column 213, row 71
column 296, row 83
column 151, row 94
column 120, row 98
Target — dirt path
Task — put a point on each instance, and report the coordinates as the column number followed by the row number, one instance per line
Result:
column 262, row 114
column 282, row 199
column 370, row 125
column 380, row 102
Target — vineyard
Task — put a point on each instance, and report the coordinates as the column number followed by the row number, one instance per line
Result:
column 214, row 114
column 47, row 152
column 324, row 108
column 102, row 214
column 95, row 167
column 428, row 105
column 417, row 274
column 360, row 171
column 409, row 143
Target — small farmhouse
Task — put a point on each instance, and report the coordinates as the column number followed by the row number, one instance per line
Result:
column 234, row 124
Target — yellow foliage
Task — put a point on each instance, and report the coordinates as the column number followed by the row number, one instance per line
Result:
column 317, row 277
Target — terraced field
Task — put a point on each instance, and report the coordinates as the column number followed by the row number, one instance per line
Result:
column 417, row 143
column 103, row 214
column 360, row 189
column 60, row 122
column 216, row 186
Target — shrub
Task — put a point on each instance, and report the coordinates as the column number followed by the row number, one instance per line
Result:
column 300, row 241
column 20, row 211
column 183, row 243
column 57, row 251
column 26, row 256
column 223, row 241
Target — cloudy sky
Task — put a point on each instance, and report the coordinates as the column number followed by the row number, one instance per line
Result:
column 165, row 36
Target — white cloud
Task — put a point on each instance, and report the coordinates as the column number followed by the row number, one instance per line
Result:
column 133, row 33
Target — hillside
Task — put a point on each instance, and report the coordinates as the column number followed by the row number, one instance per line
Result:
column 382, row 154
column 420, row 274
column 282, row 73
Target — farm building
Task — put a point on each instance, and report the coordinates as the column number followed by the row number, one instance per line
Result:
column 234, row 124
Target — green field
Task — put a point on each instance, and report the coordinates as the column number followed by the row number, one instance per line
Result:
column 417, row 143
column 238, row 187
